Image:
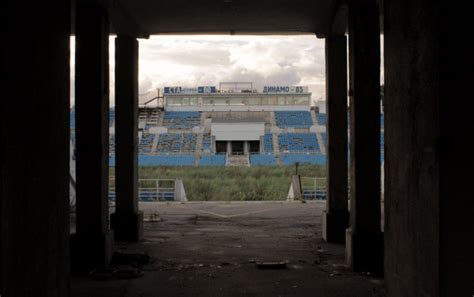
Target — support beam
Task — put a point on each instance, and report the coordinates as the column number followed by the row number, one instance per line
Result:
column 92, row 242
column 336, row 216
column 34, row 149
column 127, row 221
column 364, row 238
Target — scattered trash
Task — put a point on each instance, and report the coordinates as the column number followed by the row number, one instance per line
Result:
column 271, row 265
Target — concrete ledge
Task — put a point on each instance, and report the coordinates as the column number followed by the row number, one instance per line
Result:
column 334, row 225
column 127, row 227
column 89, row 252
column 365, row 252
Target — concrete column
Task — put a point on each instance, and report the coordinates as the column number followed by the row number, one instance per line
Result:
column 34, row 149
column 229, row 147
column 336, row 216
column 428, row 159
column 246, row 147
column 127, row 221
column 92, row 242
column 364, row 238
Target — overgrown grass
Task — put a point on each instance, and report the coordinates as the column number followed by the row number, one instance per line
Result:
column 233, row 183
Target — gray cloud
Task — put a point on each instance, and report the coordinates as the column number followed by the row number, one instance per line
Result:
column 208, row 60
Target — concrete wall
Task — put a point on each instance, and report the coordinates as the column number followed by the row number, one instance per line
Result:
column 237, row 131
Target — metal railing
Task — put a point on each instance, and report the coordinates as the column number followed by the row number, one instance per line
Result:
column 150, row 189
column 314, row 188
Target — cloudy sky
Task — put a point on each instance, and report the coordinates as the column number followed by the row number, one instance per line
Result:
column 191, row 61
column 203, row 60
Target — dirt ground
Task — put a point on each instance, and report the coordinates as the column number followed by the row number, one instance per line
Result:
column 211, row 249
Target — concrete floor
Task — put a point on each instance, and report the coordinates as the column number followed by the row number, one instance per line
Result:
column 209, row 249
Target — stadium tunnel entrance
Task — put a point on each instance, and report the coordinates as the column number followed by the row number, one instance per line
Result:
column 425, row 235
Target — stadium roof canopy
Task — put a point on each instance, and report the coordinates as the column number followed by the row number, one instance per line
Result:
column 142, row 18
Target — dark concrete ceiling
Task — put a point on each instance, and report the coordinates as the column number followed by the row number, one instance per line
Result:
column 148, row 17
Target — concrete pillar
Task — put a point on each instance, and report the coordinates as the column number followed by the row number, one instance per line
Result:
column 428, row 159
column 246, row 147
column 336, row 216
column 364, row 238
column 229, row 147
column 34, row 149
column 127, row 221
column 92, row 242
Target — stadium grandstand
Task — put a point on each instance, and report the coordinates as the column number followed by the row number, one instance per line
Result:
column 233, row 125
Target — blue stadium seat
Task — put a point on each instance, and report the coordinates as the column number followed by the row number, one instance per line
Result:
column 206, row 142
column 176, row 142
column 262, row 159
column 322, row 119
column 298, row 142
column 213, row 160
column 181, row 119
column 166, row 160
column 293, row 119
column 146, row 142
column 325, row 138
column 268, row 143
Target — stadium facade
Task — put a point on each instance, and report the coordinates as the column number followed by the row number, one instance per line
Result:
column 234, row 124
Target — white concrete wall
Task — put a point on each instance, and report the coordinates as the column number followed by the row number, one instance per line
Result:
column 237, row 131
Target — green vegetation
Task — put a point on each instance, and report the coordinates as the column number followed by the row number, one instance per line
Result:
column 233, row 183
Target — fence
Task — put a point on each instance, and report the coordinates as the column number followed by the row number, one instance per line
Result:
column 313, row 188
column 150, row 190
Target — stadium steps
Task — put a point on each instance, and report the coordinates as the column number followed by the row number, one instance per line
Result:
column 155, row 143
column 206, row 122
column 314, row 118
column 197, row 153
column 238, row 160
column 276, row 146
column 153, row 118
column 322, row 144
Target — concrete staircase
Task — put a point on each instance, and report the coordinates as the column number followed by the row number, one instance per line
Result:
column 276, row 146
column 313, row 117
column 154, row 145
column 153, row 118
column 322, row 145
column 238, row 160
column 197, row 153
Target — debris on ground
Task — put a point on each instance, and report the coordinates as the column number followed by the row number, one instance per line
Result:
column 111, row 273
column 271, row 265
